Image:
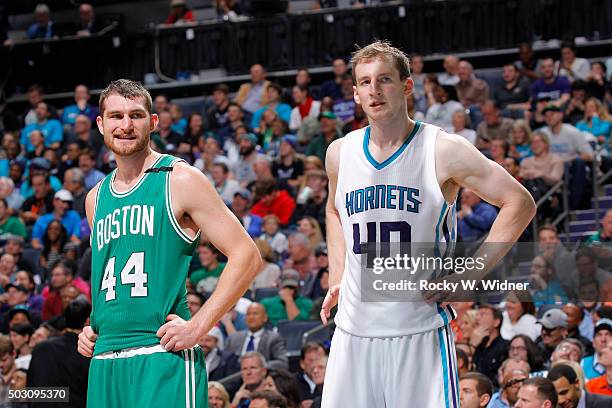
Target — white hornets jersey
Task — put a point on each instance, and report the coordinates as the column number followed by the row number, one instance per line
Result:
column 398, row 200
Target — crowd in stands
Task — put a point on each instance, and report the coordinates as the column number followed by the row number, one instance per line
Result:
column 263, row 148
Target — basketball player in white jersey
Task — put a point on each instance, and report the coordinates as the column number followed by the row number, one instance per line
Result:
column 398, row 180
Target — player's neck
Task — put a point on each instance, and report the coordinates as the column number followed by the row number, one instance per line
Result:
column 391, row 133
column 131, row 167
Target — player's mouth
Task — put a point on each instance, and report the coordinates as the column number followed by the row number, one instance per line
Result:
column 125, row 137
column 376, row 104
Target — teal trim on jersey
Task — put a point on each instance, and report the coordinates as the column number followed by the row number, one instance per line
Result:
column 442, row 213
column 380, row 166
column 444, row 365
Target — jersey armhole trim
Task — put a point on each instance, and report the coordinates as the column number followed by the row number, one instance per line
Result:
column 170, row 210
column 93, row 217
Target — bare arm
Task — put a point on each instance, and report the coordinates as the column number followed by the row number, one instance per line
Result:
column 461, row 163
column 194, row 198
column 335, row 238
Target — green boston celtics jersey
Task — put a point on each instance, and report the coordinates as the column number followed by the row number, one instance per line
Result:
column 140, row 259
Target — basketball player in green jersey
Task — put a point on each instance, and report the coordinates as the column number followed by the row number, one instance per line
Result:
column 146, row 218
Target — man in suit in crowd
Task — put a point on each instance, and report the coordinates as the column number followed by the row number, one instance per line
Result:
column 258, row 338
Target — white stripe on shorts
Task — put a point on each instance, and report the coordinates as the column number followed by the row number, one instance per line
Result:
column 131, row 352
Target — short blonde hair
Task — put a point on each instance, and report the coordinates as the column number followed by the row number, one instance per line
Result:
column 383, row 50
column 219, row 387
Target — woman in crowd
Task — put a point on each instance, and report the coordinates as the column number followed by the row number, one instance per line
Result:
column 521, row 140
column 523, row 348
column 54, row 241
column 461, row 126
column 597, row 122
column 217, row 395
column 268, row 277
column 519, row 317
column 284, row 383
column 310, row 227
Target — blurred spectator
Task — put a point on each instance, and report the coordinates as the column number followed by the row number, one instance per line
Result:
column 542, row 170
column 41, row 202
column 466, row 323
column 283, row 383
column 241, row 208
column 522, row 348
column 551, row 248
column 302, row 259
column 344, row 107
column 62, row 201
column 87, row 163
column 312, row 198
column 35, row 96
column 88, row 24
column 37, row 144
column 463, row 362
column 268, row 276
column 194, row 302
column 451, row 68
column 470, row 90
column 14, row 246
column 333, row 87
column 160, row 104
column 288, row 304
column 596, row 83
column 511, row 378
column 568, row 388
column 85, row 135
column 227, row 9
column 602, row 343
column 520, row 146
column 51, row 129
column 74, row 182
column 537, row 392
column 597, row 122
column 179, row 13
column 54, row 242
column 56, row 361
column 7, row 366
column 527, row 64
column 276, row 239
column 62, row 275
column 273, row 98
column 268, row 399
column 329, row 132
column 7, row 270
column 557, row 88
column 309, row 355
column 571, row 67
column 252, row 96
column 545, row 286
column 204, row 280
column 303, row 79
column 208, row 153
column 475, row 217
column 411, row 107
column 512, row 166
column 604, row 235
column 574, row 317
column 360, row 120
column 179, row 123
column 418, row 77
column 601, row 384
column 574, row 110
column 259, row 338
column 43, row 28
column 554, row 330
column 310, row 227
column 217, row 395
column 82, row 105
column 273, row 200
column 20, row 335
column 305, row 107
column 253, row 369
column 491, row 348
column 288, row 167
column 461, row 126
column 220, row 363
column 25, row 279
column 165, row 138
column 494, row 126
column 475, row 390
column 244, row 170
column 570, row 350
column 10, row 224
column 217, row 115
column 499, row 150
column 519, row 317
column 587, row 267
column 441, row 112
column 514, row 92
column 8, row 192
column 225, row 186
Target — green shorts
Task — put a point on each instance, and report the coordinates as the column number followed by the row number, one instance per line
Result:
column 148, row 377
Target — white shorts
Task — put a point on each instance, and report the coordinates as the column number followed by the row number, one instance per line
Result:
column 409, row 371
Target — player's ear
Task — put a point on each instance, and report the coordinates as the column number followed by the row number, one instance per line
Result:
column 355, row 95
column 154, row 121
column 408, row 86
column 99, row 123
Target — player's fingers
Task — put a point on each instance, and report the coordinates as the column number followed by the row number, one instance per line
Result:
column 171, row 317
column 89, row 333
column 323, row 316
column 162, row 330
column 169, row 346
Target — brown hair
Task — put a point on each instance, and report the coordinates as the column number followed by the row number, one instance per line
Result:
column 128, row 89
column 383, row 50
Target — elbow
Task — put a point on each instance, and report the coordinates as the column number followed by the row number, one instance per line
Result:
column 529, row 206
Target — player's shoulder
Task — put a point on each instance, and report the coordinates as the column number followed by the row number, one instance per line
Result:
column 447, row 142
